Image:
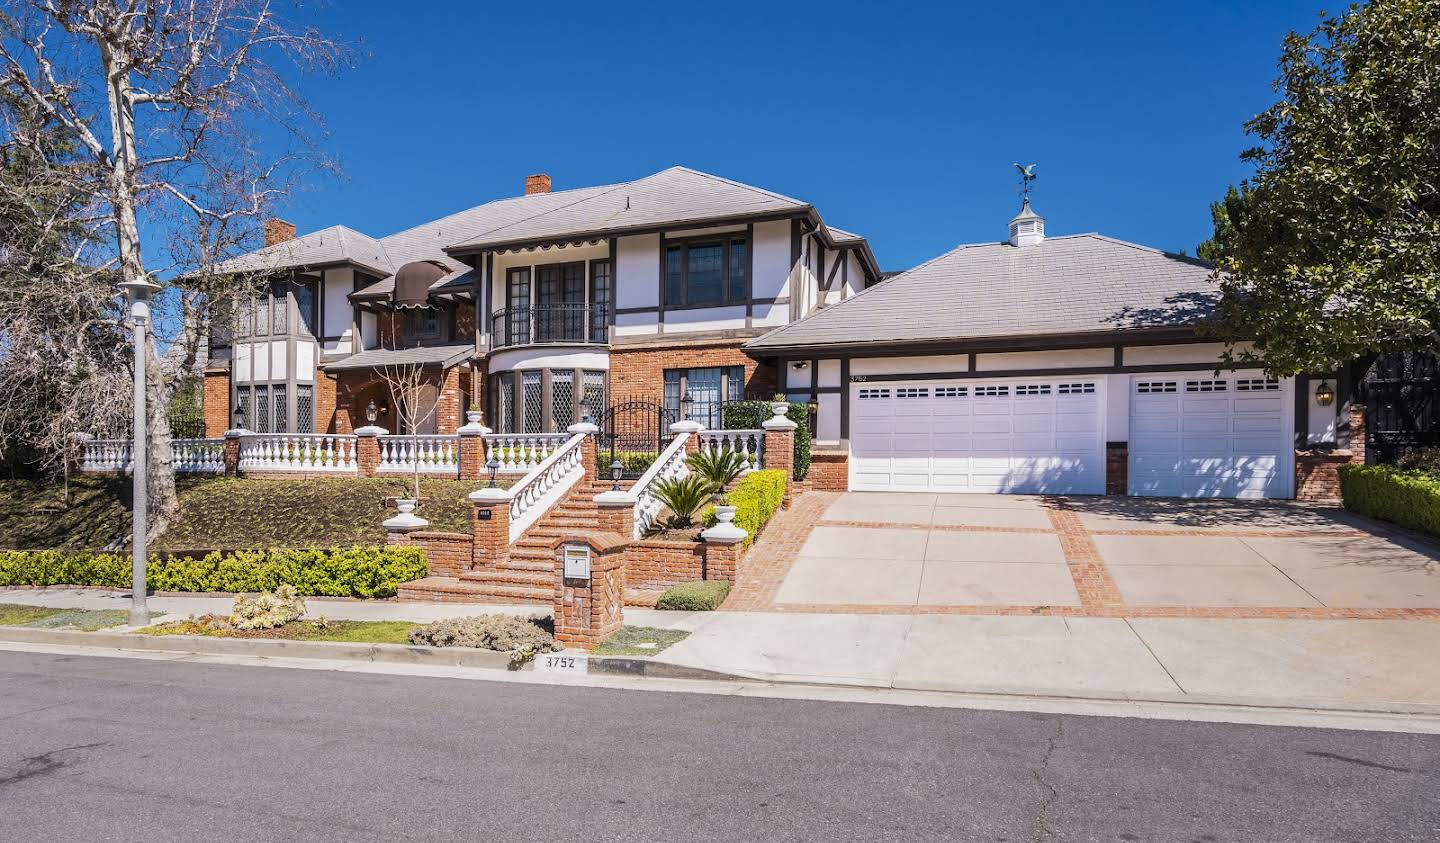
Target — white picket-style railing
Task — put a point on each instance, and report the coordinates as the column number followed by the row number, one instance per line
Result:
column 670, row 464
column 434, row 454
column 198, row 456
column 300, row 452
column 106, row 455
column 191, row 456
column 544, row 485
column 519, row 453
column 748, row 443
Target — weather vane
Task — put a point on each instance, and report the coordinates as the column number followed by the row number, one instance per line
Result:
column 1027, row 179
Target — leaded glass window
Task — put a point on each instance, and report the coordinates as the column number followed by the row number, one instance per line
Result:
column 707, row 273
column 533, row 412
column 562, row 399
column 282, row 409
column 304, row 408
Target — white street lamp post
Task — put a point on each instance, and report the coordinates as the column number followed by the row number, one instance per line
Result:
column 139, row 293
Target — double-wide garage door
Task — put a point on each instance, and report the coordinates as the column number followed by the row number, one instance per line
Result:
column 1190, row 435
column 1017, row 436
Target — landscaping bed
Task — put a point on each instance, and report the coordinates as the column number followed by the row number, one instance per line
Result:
column 1408, row 497
column 354, row 632
column 45, row 617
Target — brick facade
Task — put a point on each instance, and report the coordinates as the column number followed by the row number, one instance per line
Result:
column 1317, row 472
column 326, row 419
column 216, row 402
column 1117, row 468
column 448, row 554
column 638, row 371
column 829, row 470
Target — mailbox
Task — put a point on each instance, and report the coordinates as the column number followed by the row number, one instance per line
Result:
column 577, row 563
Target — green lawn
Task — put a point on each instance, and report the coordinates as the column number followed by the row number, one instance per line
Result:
column 225, row 512
column 15, row 614
column 640, row 641
column 355, row 632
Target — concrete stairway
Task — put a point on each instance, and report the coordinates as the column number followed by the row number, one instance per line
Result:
column 529, row 575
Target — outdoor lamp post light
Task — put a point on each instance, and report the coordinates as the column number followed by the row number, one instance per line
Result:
column 237, row 418
column 493, row 466
column 1324, row 394
column 585, row 412
column 371, row 411
column 686, row 402
column 139, row 293
column 616, row 469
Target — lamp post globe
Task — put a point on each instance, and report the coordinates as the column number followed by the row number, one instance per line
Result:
column 686, row 403
column 493, row 466
column 617, row 469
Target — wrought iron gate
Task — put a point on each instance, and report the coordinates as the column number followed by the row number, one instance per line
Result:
column 1402, row 405
column 633, row 432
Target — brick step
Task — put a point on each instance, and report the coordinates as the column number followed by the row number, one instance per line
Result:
column 452, row 590
column 530, row 559
column 554, row 531
column 553, row 524
column 510, row 577
column 565, row 517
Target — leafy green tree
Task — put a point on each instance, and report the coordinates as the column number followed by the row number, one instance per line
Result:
column 1331, row 251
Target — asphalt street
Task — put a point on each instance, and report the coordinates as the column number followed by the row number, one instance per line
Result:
column 122, row 749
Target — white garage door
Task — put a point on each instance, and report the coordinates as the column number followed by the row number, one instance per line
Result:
column 1030, row 436
column 1206, row 437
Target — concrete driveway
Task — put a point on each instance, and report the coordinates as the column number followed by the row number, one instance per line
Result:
column 1103, row 557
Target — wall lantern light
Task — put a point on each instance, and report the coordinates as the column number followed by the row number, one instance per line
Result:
column 800, row 365
column 1324, row 394
column 371, row 412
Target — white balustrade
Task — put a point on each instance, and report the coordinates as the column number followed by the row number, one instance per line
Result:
column 543, row 486
column 519, row 453
column 106, row 455
column 750, row 444
column 434, row 454
column 198, row 456
column 299, row 452
column 669, row 465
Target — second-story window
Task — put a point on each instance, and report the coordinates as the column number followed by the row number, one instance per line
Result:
column 707, row 272
column 422, row 324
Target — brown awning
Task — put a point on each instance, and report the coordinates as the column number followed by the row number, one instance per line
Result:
column 413, row 281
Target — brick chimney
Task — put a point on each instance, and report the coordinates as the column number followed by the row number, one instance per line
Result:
column 278, row 231
column 538, row 183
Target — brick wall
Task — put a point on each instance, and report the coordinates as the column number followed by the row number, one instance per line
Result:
column 639, row 372
column 448, row 554
column 216, row 401
column 1317, row 475
column 326, row 419
column 829, row 470
column 451, row 400
column 653, row 564
column 1117, row 468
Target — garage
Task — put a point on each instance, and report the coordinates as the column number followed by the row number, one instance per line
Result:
column 1201, row 436
column 1032, row 436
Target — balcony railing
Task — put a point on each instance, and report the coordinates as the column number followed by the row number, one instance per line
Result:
column 550, row 324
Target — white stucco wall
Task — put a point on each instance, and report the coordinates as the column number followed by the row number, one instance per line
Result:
column 638, row 272
column 338, row 314
column 548, row 358
column 772, row 260
column 1322, row 423
column 1069, row 358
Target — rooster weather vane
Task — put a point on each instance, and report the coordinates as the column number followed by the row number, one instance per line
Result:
column 1027, row 178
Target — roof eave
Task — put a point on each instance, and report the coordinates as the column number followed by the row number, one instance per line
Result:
column 960, row 345
column 472, row 248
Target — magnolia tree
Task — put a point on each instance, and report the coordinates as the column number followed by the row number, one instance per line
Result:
column 180, row 130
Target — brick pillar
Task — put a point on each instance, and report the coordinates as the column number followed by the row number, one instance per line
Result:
column 472, row 448
column 724, row 545
column 1357, row 434
column 617, row 512
column 780, row 445
column 1117, row 468
column 232, row 451
column 589, row 449
column 490, row 527
column 590, row 609
column 367, row 449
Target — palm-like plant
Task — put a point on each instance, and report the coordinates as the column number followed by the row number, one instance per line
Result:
column 718, row 467
column 683, row 496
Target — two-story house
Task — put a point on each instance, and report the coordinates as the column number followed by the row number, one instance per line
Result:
column 533, row 308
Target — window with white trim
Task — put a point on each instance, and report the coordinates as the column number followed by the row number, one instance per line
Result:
column 1076, row 388
column 1257, row 385
column 1151, row 387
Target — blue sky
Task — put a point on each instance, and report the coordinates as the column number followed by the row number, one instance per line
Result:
column 899, row 121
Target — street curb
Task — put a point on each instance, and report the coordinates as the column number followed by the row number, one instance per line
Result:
column 264, row 648
column 631, row 666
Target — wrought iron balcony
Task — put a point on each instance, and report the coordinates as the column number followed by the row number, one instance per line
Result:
column 550, row 324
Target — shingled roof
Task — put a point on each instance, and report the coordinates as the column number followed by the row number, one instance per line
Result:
column 1076, row 284
column 334, row 245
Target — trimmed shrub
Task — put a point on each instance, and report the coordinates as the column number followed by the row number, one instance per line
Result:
column 337, row 572
column 1426, row 460
column 747, row 415
column 1408, row 498
column 635, row 462
column 756, row 499
column 701, row 596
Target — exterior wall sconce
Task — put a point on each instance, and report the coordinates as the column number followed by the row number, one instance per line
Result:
column 493, row 466
column 371, row 412
column 1324, row 394
column 800, row 365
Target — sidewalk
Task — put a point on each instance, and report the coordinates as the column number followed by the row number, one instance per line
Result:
column 1373, row 665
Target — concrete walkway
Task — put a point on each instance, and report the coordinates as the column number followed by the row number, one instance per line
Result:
column 1374, row 665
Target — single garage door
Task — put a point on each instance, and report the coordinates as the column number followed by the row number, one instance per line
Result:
column 1207, row 437
column 1023, row 437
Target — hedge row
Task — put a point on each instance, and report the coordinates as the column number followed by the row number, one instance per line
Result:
column 747, row 415
column 1408, row 498
column 756, row 499
column 337, row 572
